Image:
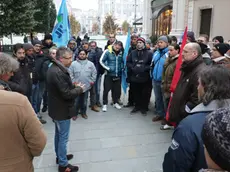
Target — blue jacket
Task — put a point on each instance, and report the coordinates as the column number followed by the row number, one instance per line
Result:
column 111, row 62
column 158, row 62
column 186, row 153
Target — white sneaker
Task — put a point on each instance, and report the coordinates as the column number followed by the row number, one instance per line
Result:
column 104, row 108
column 117, row 106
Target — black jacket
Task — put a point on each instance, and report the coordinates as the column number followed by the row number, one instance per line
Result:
column 94, row 56
column 138, row 65
column 21, row 82
column 32, row 69
column 41, row 66
column 186, row 91
column 62, row 93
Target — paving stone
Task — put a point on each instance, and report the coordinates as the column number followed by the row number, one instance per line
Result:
column 114, row 141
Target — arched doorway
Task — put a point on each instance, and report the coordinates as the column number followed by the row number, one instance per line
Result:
column 162, row 20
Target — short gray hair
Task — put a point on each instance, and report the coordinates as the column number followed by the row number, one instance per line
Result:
column 196, row 47
column 7, row 64
column 52, row 48
column 62, row 51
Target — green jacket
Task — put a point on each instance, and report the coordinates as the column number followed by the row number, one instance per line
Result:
column 168, row 72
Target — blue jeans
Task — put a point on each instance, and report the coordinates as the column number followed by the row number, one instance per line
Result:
column 160, row 110
column 98, row 88
column 34, row 97
column 81, row 103
column 62, row 129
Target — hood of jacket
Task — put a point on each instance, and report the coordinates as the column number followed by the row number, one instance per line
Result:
column 213, row 105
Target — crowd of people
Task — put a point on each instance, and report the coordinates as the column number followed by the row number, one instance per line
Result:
column 63, row 78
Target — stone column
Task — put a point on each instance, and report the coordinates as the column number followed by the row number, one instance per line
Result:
column 178, row 18
column 147, row 22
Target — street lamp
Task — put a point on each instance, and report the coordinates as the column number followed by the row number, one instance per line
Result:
column 135, row 15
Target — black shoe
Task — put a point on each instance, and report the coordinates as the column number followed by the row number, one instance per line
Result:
column 135, row 110
column 143, row 112
column 129, row 105
column 69, row 157
column 68, row 168
column 44, row 109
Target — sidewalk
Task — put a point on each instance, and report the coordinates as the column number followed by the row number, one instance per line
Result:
column 114, row 141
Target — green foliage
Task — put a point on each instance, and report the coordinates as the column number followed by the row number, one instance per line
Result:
column 26, row 16
column 125, row 27
column 75, row 25
column 109, row 25
column 45, row 16
column 153, row 39
column 17, row 16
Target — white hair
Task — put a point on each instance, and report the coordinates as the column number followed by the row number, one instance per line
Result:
column 7, row 64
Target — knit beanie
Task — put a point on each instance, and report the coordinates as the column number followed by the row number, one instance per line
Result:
column 48, row 36
column 222, row 48
column 28, row 46
column 148, row 41
column 141, row 39
column 85, row 41
column 163, row 38
column 219, row 38
column 216, row 137
column 36, row 42
column 191, row 36
column 72, row 40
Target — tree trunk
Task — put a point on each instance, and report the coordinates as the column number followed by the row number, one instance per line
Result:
column 31, row 37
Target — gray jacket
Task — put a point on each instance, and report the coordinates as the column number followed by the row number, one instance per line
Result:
column 83, row 71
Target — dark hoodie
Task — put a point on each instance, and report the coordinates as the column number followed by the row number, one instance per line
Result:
column 21, row 81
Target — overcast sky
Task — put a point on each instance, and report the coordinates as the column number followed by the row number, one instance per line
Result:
column 80, row 4
column 85, row 4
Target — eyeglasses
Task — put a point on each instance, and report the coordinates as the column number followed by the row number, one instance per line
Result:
column 67, row 58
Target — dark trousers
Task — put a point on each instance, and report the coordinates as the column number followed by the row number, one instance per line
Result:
column 81, row 103
column 131, row 96
column 110, row 83
column 141, row 95
column 93, row 96
column 45, row 98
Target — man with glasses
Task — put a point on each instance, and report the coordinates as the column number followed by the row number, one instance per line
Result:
column 62, row 95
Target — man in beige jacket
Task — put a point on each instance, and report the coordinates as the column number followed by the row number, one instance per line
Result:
column 21, row 133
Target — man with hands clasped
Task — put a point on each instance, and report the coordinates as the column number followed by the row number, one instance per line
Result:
column 84, row 72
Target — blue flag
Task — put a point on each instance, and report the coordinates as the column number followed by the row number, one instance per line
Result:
column 124, row 72
column 61, row 30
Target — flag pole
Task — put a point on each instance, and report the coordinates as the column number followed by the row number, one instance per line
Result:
column 177, row 73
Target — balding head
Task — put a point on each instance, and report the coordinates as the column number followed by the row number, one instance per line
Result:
column 191, row 51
